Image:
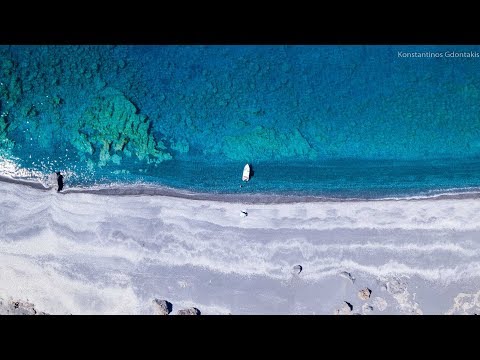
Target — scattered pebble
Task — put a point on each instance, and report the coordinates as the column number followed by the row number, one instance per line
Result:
column 298, row 269
column 367, row 308
column 348, row 276
column 364, row 294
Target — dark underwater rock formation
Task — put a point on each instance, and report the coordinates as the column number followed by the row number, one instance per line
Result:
column 111, row 128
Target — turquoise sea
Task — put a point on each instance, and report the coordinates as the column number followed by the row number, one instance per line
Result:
column 328, row 121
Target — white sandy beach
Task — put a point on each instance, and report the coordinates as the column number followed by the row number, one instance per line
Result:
column 80, row 253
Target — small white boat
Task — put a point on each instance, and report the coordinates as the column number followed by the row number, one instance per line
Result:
column 246, row 173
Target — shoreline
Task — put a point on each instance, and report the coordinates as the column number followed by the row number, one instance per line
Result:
column 87, row 254
column 265, row 199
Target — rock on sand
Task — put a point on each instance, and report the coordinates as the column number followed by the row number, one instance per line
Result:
column 297, row 269
column 18, row 307
column 348, row 276
column 367, row 308
column 364, row 294
column 161, row 307
column 346, row 309
column 189, row 311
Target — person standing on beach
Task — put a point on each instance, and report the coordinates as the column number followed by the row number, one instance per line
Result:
column 59, row 181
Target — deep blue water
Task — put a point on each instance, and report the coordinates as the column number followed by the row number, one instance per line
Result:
column 334, row 121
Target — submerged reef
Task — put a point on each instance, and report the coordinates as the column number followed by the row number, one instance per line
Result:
column 267, row 143
column 59, row 98
column 111, row 128
column 10, row 84
column 10, row 90
column 6, row 144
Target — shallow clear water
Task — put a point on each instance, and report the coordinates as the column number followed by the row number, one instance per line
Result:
column 335, row 121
